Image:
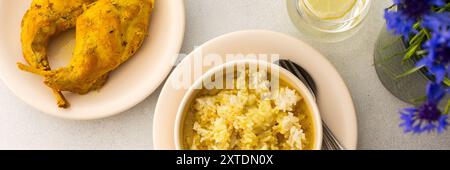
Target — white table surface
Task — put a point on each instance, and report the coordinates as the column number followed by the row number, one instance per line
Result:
column 23, row 127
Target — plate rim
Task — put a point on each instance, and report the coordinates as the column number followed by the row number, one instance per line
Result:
column 354, row 143
column 100, row 115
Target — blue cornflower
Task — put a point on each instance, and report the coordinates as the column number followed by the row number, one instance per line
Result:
column 399, row 24
column 438, row 47
column 437, row 22
column 408, row 12
column 417, row 8
column 426, row 117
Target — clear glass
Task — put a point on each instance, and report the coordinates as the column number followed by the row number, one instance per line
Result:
column 332, row 30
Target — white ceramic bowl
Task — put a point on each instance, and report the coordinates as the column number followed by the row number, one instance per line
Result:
column 283, row 74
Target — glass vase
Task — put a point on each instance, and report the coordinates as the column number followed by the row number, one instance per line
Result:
column 390, row 65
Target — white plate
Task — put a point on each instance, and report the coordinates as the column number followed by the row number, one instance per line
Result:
column 127, row 86
column 334, row 100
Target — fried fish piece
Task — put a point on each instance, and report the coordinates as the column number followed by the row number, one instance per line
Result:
column 43, row 20
column 107, row 35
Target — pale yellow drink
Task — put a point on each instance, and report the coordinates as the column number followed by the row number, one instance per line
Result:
column 328, row 20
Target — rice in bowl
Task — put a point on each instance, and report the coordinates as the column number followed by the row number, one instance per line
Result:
column 255, row 116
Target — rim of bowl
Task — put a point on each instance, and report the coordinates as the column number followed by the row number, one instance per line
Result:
column 306, row 94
